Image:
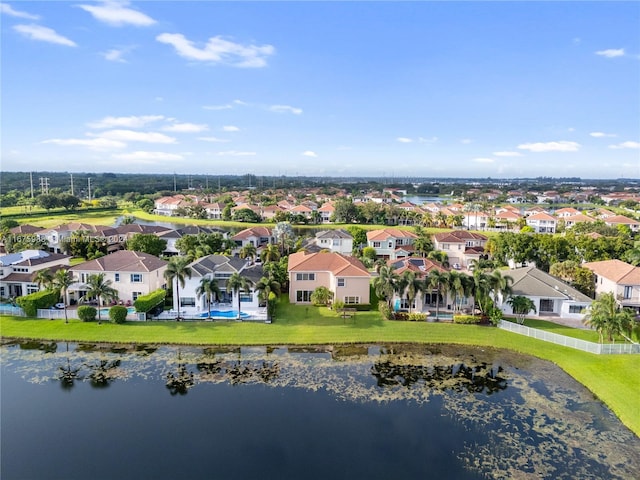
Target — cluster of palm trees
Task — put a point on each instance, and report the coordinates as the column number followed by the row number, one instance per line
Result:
column 484, row 286
column 97, row 287
column 178, row 270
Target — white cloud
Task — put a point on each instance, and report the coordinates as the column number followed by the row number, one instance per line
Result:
column 234, row 153
column 135, row 136
column 219, row 50
column 7, row 10
column 92, row 143
column 129, row 122
column 602, row 134
column 628, row 144
column 611, row 53
column 404, row 140
column 43, row 34
column 230, row 128
column 427, row 140
column 186, row 128
column 309, row 153
column 507, row 154
column 116, row 54
column 116, row 14
column 213, row 139
column 147, row 157
column 484, row 160
column 561, row 146
column 285, row 109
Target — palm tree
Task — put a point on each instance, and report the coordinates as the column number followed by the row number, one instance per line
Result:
column 270, row 253
column 438, row 281
column 101, row 289
column 237, row 282
column 606, row 316
column 385, row 284
column 456, row 285
column 521, row 306
column 44, row 278
column 500, row 285
column 209, row 288
column 178, row 269
column 283, row 232
column 265, row 287
column 411, row 285
column 62, row 280
column 480, row 288
column 248, row 251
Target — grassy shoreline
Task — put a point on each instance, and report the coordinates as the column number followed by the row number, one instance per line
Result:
column 613, row 379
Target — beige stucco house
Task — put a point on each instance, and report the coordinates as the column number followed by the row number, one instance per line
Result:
column 617, row 277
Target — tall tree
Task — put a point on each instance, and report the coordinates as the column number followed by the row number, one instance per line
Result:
column 62, row 280
column 147, row 243
column 100, row 289
column 179, row 270
column 248, row 251
column 438, row 281
column 270, row 253
column 607, row 317
column 411, row 285
column 44, row 278
column 236, row 283
column 209, row 288
column 385, row 284
column 265, row 287
column 521, row 306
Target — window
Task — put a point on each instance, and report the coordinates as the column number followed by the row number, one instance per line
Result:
column 404, row 304
column 32, row 289
column 628, row 290
column 336, row 242
column 117, row 277
column 136, row 277
column 351, row 300
column 546, row 305
column 187, row 302
column 342, row 282
column 303, row 295
column 576, row 308
column 376, row 244
column 305, row 276
column 135, row 295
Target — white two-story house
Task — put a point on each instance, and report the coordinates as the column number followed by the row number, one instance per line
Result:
column 17, row 270
column 617, row 277
column 391, row 243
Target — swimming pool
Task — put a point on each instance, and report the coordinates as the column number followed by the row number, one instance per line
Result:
column 224, row 314
column 130, row 310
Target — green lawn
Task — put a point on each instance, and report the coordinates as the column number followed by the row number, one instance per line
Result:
column 612, row 378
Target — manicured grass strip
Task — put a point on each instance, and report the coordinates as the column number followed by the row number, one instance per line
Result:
column 612, row 378
column 588, row 335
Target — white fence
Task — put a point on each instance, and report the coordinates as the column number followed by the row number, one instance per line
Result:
column 598, row 348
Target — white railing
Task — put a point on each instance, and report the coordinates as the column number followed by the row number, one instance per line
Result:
column 10, row 310
column 591, row 347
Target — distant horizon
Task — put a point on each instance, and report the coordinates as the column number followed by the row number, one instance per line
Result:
column 323, row 89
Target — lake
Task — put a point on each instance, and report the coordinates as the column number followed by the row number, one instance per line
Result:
column 359, row 411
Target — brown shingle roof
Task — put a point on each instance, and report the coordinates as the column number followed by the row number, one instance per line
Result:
column 122, row 261
column 327, row 262
column 615, row 270
column 386, row 233
column 458, row 236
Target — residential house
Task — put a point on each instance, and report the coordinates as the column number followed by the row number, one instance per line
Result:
column 256, row 236
column 17, row 270
column 220, row 268
column 132, row 274
column 551, row 296
column 339, row 241
column 390, row 243
column 617, row 277
column 460, row 246
column 326, row 211
column 572, row 220
column 346, row 277
column 214, row 210
column 57, row 236
column 616, row 220
column 167, row 206
column 542, row 223
column 566, row 212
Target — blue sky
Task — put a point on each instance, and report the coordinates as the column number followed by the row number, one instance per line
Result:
column 474, row 89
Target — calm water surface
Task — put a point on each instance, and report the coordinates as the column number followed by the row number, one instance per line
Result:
column 94, row 411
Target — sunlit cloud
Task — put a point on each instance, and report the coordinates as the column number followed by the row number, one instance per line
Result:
column 404, row 140
column 230, row 128
column 507, row 154
column 285, row 109
column 629, row 144
column 6, row 9
column 117, row 54
column 43, row 34
column 309, row 153
column 611, row 53
column 116, row 14
column 128, row 122
column 561, row 146
column 466, row 141
column 602, row 134
column 136, row 136
column 219, row 51
column 92, row 143
column 186, row 128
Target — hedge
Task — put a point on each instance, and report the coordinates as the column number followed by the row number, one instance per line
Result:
column 144, row 303
column 118, row 314
column 466, row 319
column 32, row 302
column 87, row 313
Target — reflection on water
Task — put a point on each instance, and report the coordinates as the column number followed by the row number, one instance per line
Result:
column 473, row 413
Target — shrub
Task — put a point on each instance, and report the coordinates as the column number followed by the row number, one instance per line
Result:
column 118, row 314
column 401, row 316
column 384, row 310
column 144, row 303
column 466, row 319
column 417, row 317
column 32, row 302
column 87, row 313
